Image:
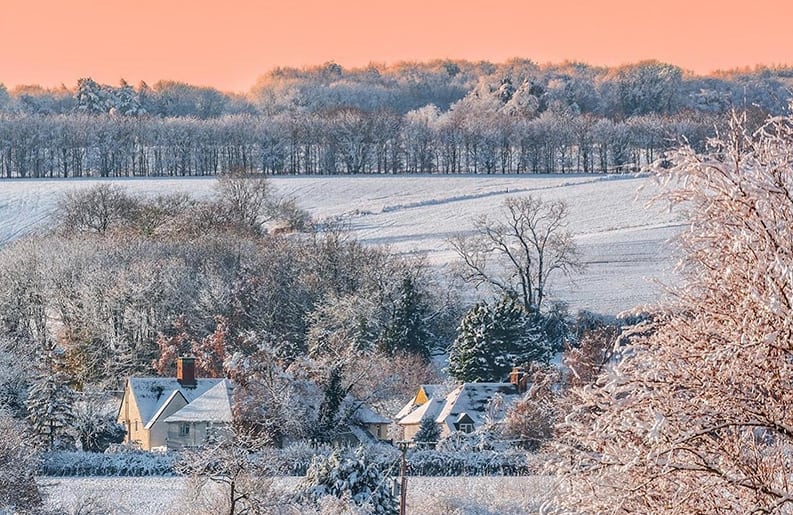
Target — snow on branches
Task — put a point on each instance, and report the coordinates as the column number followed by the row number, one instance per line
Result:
column 696, row 416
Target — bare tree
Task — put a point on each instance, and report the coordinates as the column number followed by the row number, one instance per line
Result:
column 228, row 474
column 519, row 250
column 696, row 416
column 97, row 209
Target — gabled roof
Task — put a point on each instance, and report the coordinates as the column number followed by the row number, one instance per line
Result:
column 212, row 406
column 366, row 415
column 151, row 393
column 473, row 399
column 429, row 409
column 469, row 399
column 428, row 391
column 174, row 395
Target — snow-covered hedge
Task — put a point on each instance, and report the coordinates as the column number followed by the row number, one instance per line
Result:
column 482, row 463
column 129, row 463
column 295, row 460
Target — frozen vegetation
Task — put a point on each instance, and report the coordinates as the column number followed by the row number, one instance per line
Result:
column 426, row 495
column 624, row 240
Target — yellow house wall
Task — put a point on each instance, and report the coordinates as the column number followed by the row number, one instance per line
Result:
column 129, row 416
column 409, row 431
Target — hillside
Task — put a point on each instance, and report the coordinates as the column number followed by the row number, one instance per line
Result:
column 624, row 241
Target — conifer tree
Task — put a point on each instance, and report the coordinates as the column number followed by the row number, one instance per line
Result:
column 334, row 395
column 50, row 400
column 493, row 338
column 428, row 434
column 407, row 331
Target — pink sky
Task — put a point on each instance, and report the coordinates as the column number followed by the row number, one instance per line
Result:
column 229, row 44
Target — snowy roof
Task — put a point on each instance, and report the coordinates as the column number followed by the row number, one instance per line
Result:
column 473, row 399
column 430, row 391
column 430, row 409
column 163, row 406
column 212, row 406
column 151, row 393
column 366, row 415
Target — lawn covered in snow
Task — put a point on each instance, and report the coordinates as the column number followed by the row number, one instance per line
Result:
column 624, row 241
column 426, row 495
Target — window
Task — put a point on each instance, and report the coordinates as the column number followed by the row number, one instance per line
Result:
column 136, row 425
column 466, row 427
column 184, row 429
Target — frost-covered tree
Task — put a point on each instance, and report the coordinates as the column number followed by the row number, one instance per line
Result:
column 493, row 338
column 19, row 491
column 50, row 400
column 94, row 423
column 530, row 421
column 228, row 474
column 97, row 209
column 350, row 474
column 518, row 251
column 696, row 416
column 407, row 330
column 428, row 434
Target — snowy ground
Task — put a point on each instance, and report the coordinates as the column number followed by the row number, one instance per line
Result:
column 624, row 241
column 426, row 495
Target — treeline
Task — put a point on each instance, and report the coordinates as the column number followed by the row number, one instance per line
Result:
column 437, row 117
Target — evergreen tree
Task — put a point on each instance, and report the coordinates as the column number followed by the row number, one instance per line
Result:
column 407, row 331
column 428, row 434
column 50, row 400
column 328, row 422
column 493, row 338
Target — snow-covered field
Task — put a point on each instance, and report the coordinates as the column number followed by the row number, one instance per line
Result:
column 426, row 495
column 624, row 241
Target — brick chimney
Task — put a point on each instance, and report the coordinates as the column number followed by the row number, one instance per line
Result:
column 185, row 371
column 519, row 378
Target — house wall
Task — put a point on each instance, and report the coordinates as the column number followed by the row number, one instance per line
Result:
column 129, row 416
column 158, row 433
column 379, row 431
column 197, row 435
column 409, row 431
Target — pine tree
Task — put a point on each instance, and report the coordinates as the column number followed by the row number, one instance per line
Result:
column 50, row 400
column 428, row 434
column 328, row 423
column 407, row 331
column 492, row 339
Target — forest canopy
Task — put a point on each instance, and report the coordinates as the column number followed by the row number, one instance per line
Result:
column 441, row 116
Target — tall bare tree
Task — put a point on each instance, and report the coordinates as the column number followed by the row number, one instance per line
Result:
column 520, row 249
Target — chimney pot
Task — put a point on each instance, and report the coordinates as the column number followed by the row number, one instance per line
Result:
column 185, row 371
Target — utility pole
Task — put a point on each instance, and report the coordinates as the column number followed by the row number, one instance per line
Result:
column 403, row 485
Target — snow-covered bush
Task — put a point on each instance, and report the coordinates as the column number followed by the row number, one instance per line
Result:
column 349, row 473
